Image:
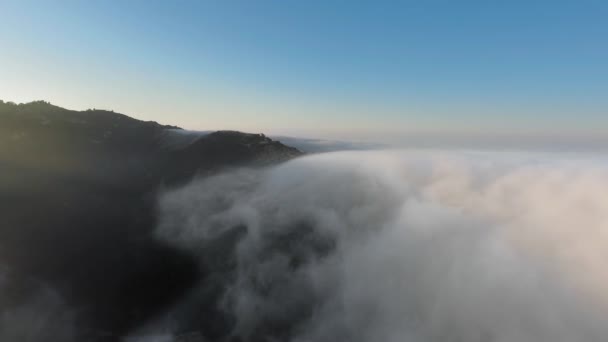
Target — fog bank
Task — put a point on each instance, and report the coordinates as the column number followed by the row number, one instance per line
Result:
column 397, row 246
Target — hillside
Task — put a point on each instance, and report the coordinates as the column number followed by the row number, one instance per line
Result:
column 78, row 193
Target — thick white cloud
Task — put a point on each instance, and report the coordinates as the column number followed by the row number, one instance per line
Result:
column 408, row 246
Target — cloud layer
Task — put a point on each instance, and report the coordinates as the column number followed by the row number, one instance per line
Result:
column 398, row 246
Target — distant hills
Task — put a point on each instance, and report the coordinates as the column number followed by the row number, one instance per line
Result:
column 77, row 194
column 104, row 144
column 309, row 145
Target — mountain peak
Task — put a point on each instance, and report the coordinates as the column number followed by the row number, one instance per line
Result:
column 39, row 134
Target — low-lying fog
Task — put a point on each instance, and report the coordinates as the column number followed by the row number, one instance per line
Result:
column 401, row 246
column 414, row 246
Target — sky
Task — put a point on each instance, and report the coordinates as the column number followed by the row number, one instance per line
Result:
column 377, row 70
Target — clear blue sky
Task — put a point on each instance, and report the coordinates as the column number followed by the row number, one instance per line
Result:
column 343, row 69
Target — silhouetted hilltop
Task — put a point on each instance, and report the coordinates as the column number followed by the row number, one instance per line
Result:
column 98, row 143
column 78, row 194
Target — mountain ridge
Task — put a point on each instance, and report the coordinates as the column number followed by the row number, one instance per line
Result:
column 39, row 134
column 80, row 189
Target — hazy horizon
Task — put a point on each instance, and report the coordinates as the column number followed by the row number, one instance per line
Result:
column 504, row 141
column 348, row 71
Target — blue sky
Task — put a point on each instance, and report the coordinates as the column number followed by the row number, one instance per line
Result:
column 336, row 69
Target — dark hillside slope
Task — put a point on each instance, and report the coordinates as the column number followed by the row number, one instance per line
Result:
column 77, row 195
